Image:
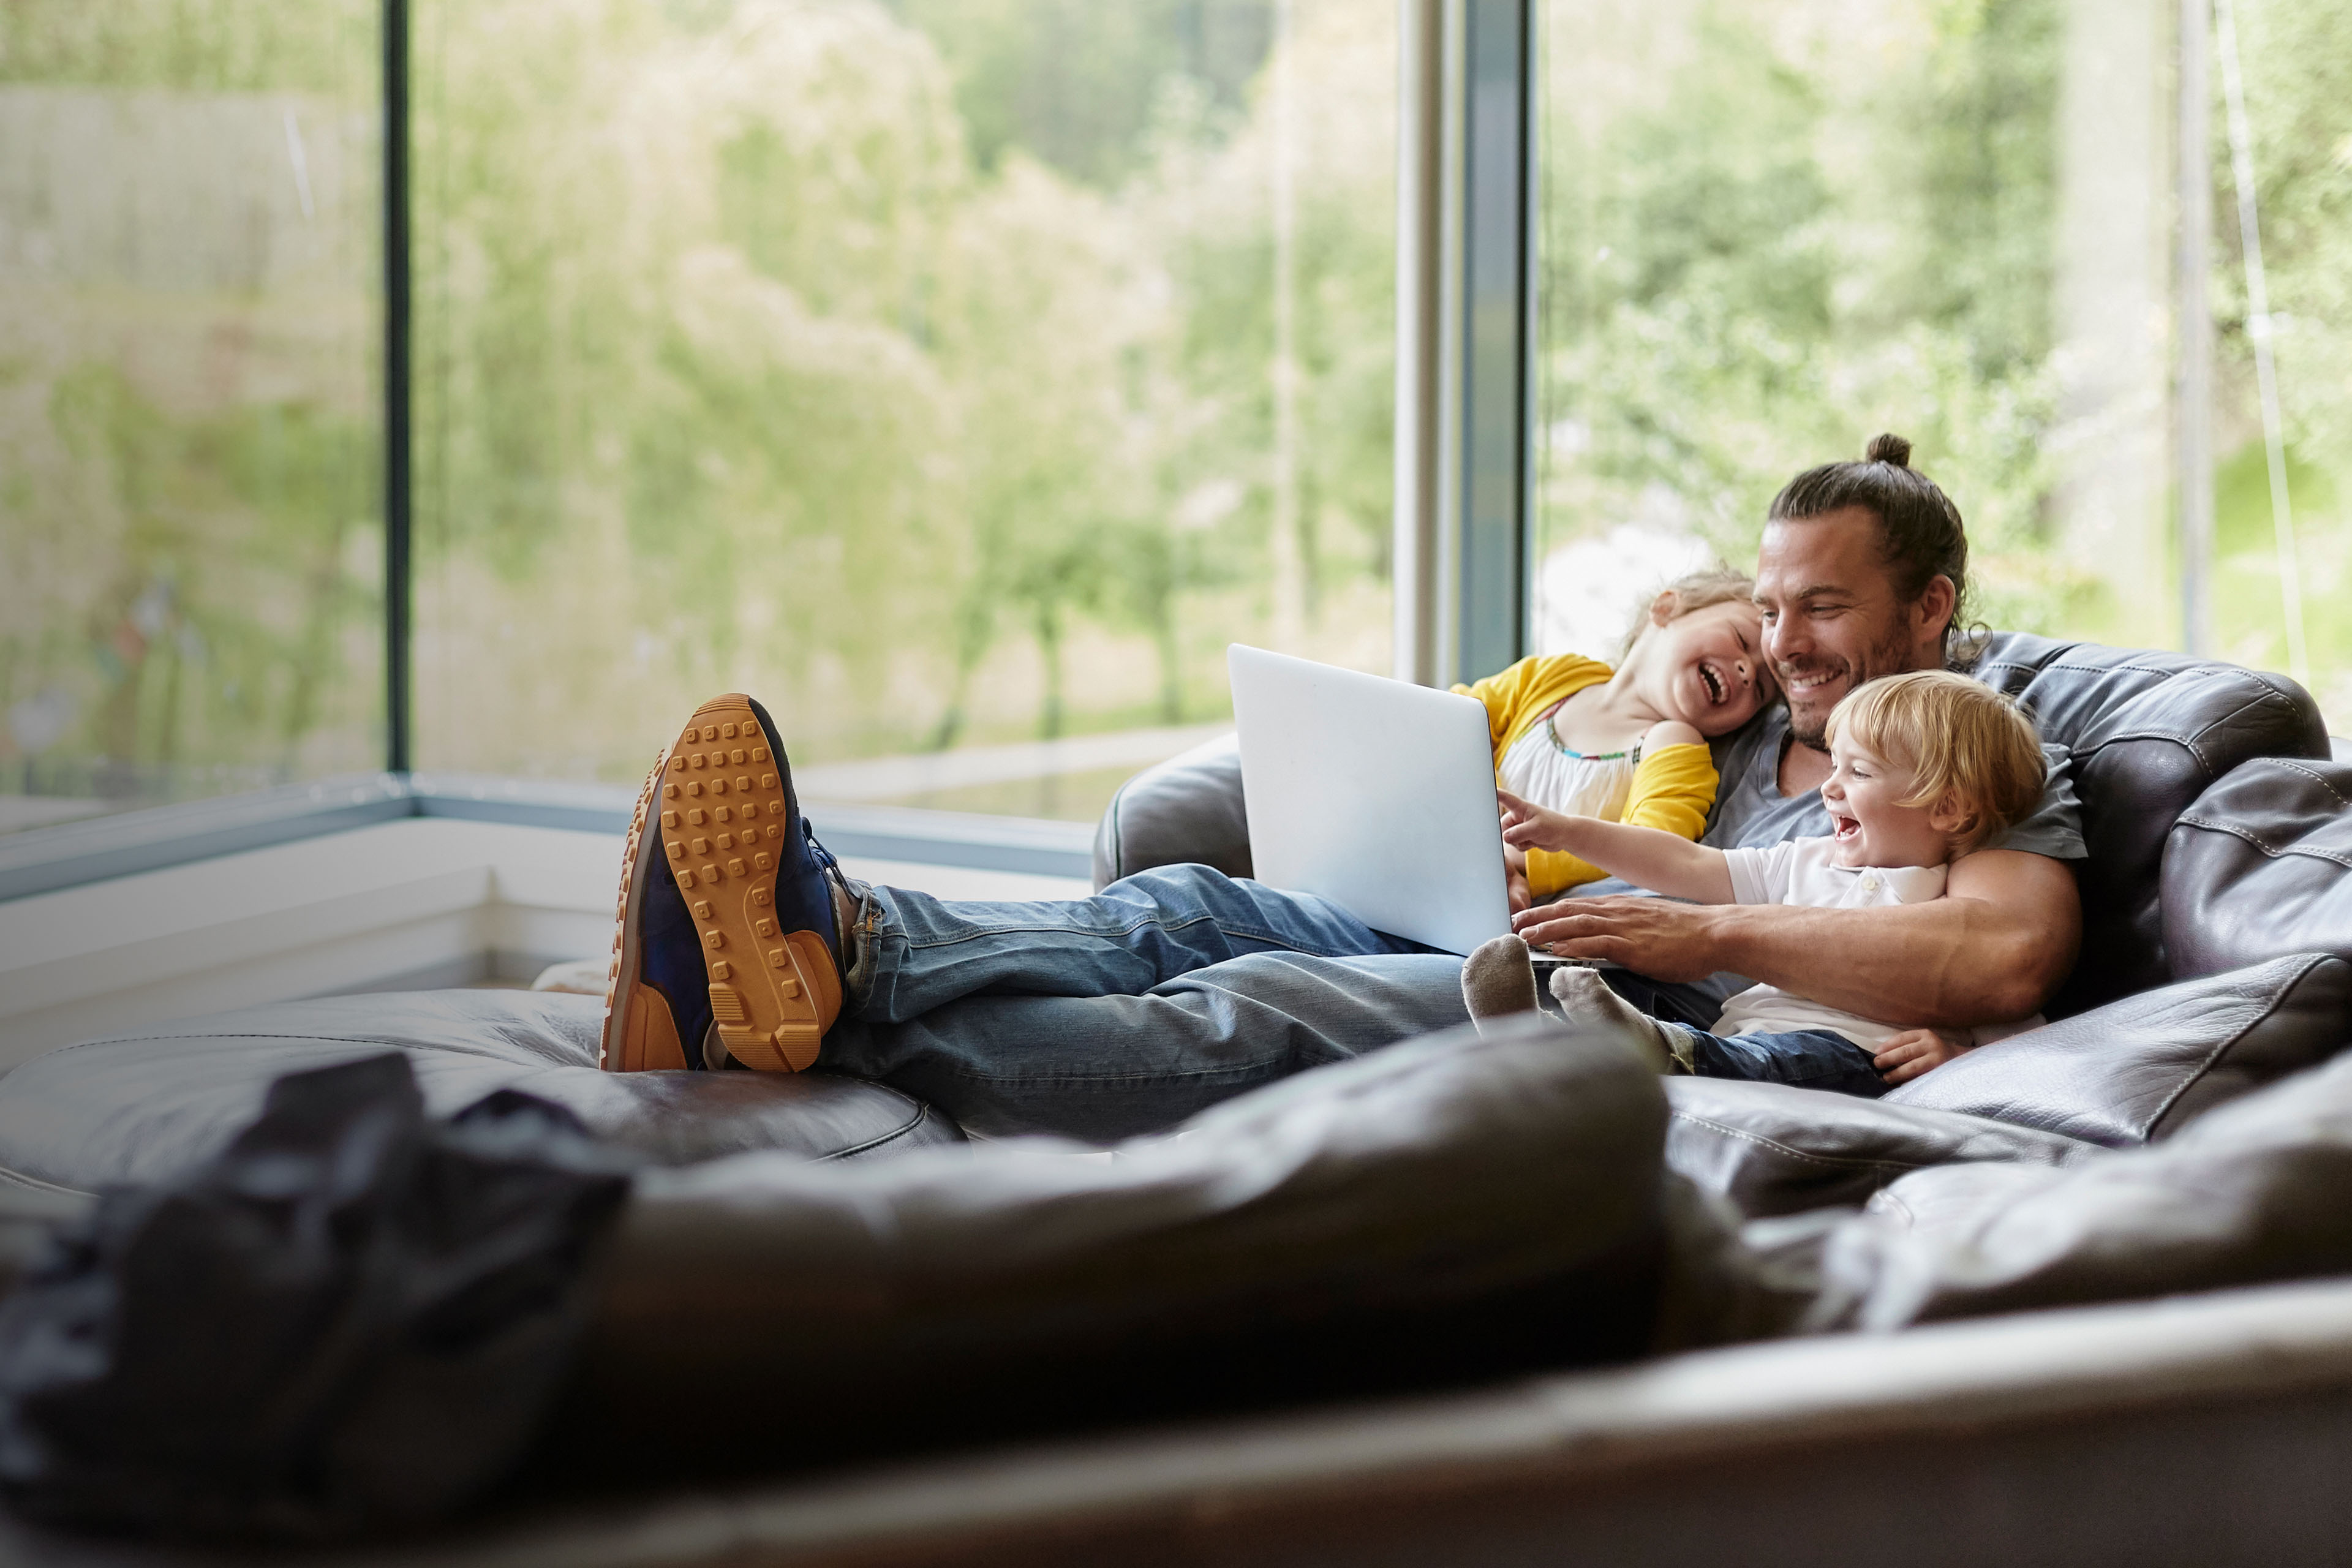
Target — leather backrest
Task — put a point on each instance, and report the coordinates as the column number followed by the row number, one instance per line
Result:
column 149, row 1105
column 2258, row 866
column 2150, row 732
column 2140, row 1069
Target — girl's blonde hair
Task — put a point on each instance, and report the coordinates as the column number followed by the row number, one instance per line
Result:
column 1715, row 585
column 1957, row 737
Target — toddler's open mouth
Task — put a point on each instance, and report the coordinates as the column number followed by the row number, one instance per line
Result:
column 1845, row 829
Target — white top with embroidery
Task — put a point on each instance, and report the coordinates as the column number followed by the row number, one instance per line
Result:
column 1537, row 768
column 1804, row 871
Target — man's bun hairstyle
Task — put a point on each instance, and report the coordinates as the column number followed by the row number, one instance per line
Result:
column 1920, row 537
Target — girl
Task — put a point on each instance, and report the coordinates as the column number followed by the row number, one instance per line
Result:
column 1628, row 744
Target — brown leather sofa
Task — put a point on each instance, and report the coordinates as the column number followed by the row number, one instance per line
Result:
column 2075, row 1298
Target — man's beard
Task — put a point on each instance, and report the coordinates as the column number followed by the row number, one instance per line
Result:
column 1890, row 656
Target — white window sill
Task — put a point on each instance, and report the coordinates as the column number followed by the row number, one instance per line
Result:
column 400, row 905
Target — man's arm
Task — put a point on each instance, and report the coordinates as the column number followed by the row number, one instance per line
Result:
column 1993, row 948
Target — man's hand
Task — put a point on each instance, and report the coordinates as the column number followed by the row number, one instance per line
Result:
column 1913, row 1052
column 1654, row 937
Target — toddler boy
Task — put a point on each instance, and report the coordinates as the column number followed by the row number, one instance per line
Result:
column 1926, row 767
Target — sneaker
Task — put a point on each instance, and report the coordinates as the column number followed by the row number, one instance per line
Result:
column 726, row 939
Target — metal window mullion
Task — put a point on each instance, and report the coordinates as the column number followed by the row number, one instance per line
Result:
column 2193, row 329
column 1464, row 337
column 396, row 389
column 1491, row 620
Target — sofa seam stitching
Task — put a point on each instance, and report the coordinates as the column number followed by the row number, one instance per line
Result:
column 895, row 1133
column 2269, row 851
column 1841, row 1162
column 2296, row 765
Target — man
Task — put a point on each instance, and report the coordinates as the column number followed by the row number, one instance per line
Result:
column 1124, row 1013
column 1861, row 573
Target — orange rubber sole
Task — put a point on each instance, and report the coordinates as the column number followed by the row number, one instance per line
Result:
column 723, row 816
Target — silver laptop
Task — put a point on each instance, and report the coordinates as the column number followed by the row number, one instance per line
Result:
column 1376, row 794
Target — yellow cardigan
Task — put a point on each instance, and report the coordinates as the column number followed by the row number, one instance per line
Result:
column 1674, row 787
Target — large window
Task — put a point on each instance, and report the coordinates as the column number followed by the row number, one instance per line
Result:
column 960, row 376
column 1770, row 230
column 190, row 427
column 957, row 377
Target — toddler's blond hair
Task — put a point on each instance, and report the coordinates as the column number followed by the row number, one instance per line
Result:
column 1958, row 737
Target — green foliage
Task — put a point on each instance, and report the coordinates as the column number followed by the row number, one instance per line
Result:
column 194, row 45
column 1788, row 247
column 1076, row 84
column 2298, row 86
column 866, row 353
column 1772, row 231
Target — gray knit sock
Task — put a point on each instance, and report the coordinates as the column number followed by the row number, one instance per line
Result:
column 1584, row 996
column 1497, row 981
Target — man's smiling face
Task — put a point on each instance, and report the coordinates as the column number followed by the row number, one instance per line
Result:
column 1832, row 618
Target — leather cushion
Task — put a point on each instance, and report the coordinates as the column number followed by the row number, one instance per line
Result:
column 1449, row 1207
column 148, row 1106
column 2144, row 1067
column 2150, row 732
column 1775, row 1149
column 2257, row 868
column 1186, row 810
column 2259, row 1191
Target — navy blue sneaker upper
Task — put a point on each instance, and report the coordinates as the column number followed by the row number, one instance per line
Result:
column 804, row 867
column 669, row 956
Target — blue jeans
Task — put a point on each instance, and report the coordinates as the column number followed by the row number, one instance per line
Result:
column 1123, row 1013
column 1809, row 1058
column 1812, row 1058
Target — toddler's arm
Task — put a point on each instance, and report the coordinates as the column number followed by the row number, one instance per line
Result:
column 1648, row 857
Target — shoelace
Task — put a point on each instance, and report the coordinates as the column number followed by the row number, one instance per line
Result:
column 824, row 856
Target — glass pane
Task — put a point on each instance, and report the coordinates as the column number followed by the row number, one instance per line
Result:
column 1770, row 230
column 190, row 328
column 2296, row 77
column 957, row 376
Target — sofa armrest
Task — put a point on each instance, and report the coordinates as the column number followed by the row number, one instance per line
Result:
column 1183, row 811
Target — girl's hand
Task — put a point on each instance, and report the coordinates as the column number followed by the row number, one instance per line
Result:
column 1913, row 1052
column 1527, row 825
column 1515, row 878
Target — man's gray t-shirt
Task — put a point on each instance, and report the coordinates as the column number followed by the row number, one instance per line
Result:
column 1750, row 813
